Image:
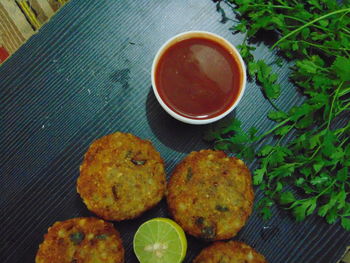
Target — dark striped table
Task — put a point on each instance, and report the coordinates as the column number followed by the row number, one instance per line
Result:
column 87, row 74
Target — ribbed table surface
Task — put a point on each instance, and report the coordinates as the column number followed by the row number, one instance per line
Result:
column 87, row 74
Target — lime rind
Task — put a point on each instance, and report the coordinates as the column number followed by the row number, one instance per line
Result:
column 160, row 232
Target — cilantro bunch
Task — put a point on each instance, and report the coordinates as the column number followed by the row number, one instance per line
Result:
column 304, row 160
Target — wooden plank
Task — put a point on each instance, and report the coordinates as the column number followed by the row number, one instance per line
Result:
column 9, row 27
column 17, row 18
column 14, row 26
column 43, row 9
column 29, row 13
column 20, row 18
column 8, row 40
column 8, row 46
column 55, row 5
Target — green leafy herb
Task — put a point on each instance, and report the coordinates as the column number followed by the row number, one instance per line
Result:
column 102, row 236
column 77, row 237
column 309, row 173
column 222, row 208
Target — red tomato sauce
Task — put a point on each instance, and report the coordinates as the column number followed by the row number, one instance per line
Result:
column 198, row 78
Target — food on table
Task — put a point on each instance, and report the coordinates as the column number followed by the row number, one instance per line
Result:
column 160, row 240
column 81, row 240
column 229, row 252
column 210, row 194
column 121, row 177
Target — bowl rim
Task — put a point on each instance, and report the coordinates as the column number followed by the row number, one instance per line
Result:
column 180, row 37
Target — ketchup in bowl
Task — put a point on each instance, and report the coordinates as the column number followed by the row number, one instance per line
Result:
column 199, row 76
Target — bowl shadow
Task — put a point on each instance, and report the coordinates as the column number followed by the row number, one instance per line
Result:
column 178, row 136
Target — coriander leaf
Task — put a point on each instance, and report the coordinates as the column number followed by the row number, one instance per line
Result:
column 341, row 67
column 248, row 153
column 328, row 145
column 305, row 122
column 266, row 213
column 267, row 80
column 295, row 46
column 258, row 176
column 252, row 68
column 283, row 130
column 338, row 154
column 322, row 178
column 346, row 209
column 345, row 222
column 265, row 150
column 231, row 126
column 322, row 211
column 239, row 137
column 279, row 187
column 300, row 181
column 303, row 208
column 252, row 132
column 314, row 141
column 300, row 111
column 306, row 171
column 272, row 90
column 223, row 146
column 286, row 198
column 341, row 198
column 299, row 213
column 343, row 174
column 279, row 154
column 307, row 66
column 242, row 27
column 332, row 215
column 277, row 116
column 318, row 166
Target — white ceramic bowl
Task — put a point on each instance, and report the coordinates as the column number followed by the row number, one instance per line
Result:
column 191, row 34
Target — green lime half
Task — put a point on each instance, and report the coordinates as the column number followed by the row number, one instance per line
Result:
column 160, row 240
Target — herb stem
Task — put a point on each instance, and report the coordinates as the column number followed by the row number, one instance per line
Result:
column 272, row 130
column 347, row 106
column 274, row 6
column 325, row 190
column 310, row 23
column 332, row 104
column 303, row 21
column 344, row 92
column 340, row 19
column 340, row 132
column 343, row 142
column 315, row 153
column 273, row 104
column 345, row 30
column 322, row 46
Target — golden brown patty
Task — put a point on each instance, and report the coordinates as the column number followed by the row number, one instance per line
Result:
column 79, row 240
column 210, row 194
column 121, row 177
column 229, row 252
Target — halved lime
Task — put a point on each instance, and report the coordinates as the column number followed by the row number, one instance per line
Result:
column 160, row 240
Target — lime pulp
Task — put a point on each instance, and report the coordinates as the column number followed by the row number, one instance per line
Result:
column 160, row 240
